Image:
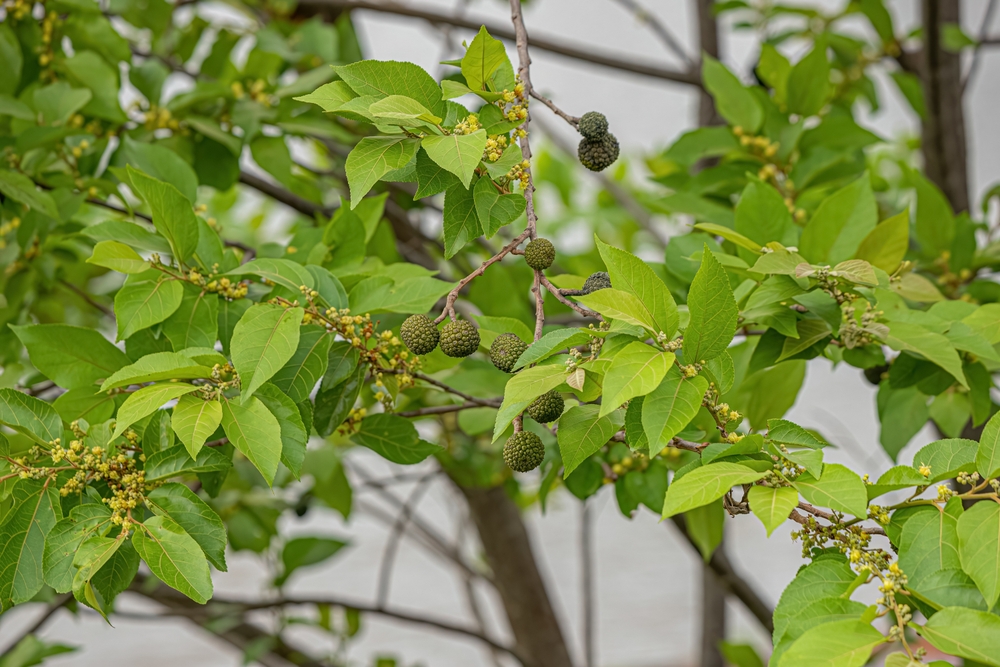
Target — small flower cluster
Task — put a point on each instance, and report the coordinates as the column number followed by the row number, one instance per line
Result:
column 495, row 145
column 6, row 228
column 46, row 54
column 225, row 287
column 158, row 118
column 852, row 334
column 256, row 90
column 469, row 125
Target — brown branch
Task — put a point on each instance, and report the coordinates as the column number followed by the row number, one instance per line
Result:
column 86, row 297
column 445, row 409
column 392, row 544
column 449, row 305
column 573, row 121
column 55, row 605
column 287, row 198
column 829, row 516
column 484, row 402
column 558, row 294
column 658, row 28
column 558, row 47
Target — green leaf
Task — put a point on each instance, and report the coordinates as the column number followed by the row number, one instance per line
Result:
column 401, row 109
column 740, row 655
column 829, row 577
column 28, row 415
column 11, row 59
column 384, row 78
column 522, row 389
column 730, row 235
column 394, row 439
column 762, row 216
column 913, row 91
column 631, row 274
column 839, row 489
column 172, row 212
column 494, row 209
column 146, row 401
column 164, row 164
column 117, row 257
column 157, row 366
column 635, row 370
column 34, row 511
column 947, row 458
column 840, row 224
column 550, row 343
column 174, row 461
column 704, row 484
column 886, row 245
column 809, row 82
column 733, row 100
column 413, row 295
column 988, row 454
column 705, row 525
column 374, row 157
column 255, row 432
column 936, row 348
column 64, row 539
column 180, row 504
column 668, row 408
column 307, row 365
column 305, row 551
column 195, row 323
column 583, row 431
column 294, row 435
column 264, row 339
column 432, row 178
column 788, row 433
column 334, row 403
column 965, row 633
column 772, row 505
column 929, row 542
column 143, row 304
column 935, row 223
column 461, row 223
column 70, row 356
column 713, row 312
column 130, row 233
column 484, row 55
column 458, row 153
column 330, row 96
column 619, row 305
column 809, row 333
column 979, row 548
column 846, row 643
column 194, row 420
column 174, row 557
column 282, row 272
column 22, row 189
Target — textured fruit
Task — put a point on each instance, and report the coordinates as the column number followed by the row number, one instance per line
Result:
column 546, row 408
column 420, row 334
column 539, row 254
column 598, row 154
column 523, row 451
column 596, row 281
column 459, row 338
column 505, row 351
column 593, row 125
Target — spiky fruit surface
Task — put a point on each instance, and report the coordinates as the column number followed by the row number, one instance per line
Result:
column 596, row 281
column 505, row 351
column 523, row 451
column 593, row 125
column 459, row 338
column 598, row 154
column 420, row 334
column 539, row 254
column 546, row 408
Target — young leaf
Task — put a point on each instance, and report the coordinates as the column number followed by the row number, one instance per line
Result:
column 713, row 312
column 631, row 274
column 157, row 366
column 979, row 548
column 254, row 431
column 374, row 157
column 704, row 485
column 146, row 401
column 583, row 431
column 70, row 356
column 965, row 633
column 846, row 643
column 143, row 304
column 30, row 416
column 484, row 55
column 886, row 245
column 668, row 408
column 264, row 339
column 34, row 511
column 733, row 100
column 619, row 305
column 384, row 78
column 118, row 257
column 182, row 505
column 461, row 223
column 839, row 489
column 458, row 153
column 174, row 557
column 393, row 438
column 194, row 420
column 772, row 505
column 172, row 213
column 635, row 370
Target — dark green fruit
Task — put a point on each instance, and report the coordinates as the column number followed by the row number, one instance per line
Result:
column 539, row 254
column 593, row 125
column 505, row 351
column 598, row 154
column 420, row 334
column 524, row 451
column 546, row 408
column 459, row 338
column 596, row 281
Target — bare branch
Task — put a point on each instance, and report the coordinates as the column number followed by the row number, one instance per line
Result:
column 392, row 544
column 573, row 121
column 832, row 518
column 443, row 409
column 982, row 42
column 483, row 402
column 57, row 603
column 657, row 27
column 558, row 294
column 86, row 297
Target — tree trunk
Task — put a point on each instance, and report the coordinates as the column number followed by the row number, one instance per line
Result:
column 708, row 42
column 516, row 576
column 944, row 147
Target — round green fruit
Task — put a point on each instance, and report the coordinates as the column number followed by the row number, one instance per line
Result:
column 546, row 408
column 459, row 338
column 598, row 154
column 523, row 451
column 505, row 351
column 539, row 254
column 596, row 281
column 593, row 125
column 420, row 334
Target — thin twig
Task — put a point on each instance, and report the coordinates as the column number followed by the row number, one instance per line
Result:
column 392, row 544
column 574, row 121
column 484, row 402
column 587, row 582
column 449, row 305
column 558, row 294
column 832, row 518
column 981, row 42
column 445, row 409
column 55, row 605
column 658, row 28
column 86, row 297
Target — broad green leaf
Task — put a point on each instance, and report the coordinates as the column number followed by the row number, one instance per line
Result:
column 895, row 478
column 172, row 212
column 733, row 100
column 143, row 304
column 619, row 305
column 461, row 222
column 264, row 339
column 307, row 365
column 22, row 189
column 130, row 233
column 631, row 274
column 34, row 511
column 772, row 505
column 195, row 323
column 498, row 325
column 194, row 420
column 146, row 401
column 668, row 408
column 965, row 633
column 117, row 257
column 181, row 504
column 789, row 433
column 28, row 415
column 762, row 216
column 846, row 643
column 809, row 82
column 413, row 295
column 839, row 489
column 809, row 333
column 522, row 389
column 713, row 309
column 294, row 435
column 64, row 539
column 305, row 551
column 494, row 209
column 374, row 157
column 255, row 432
column 947, row 458
column 334, row 403
column 85, row 403
column 774, row 69
column 402, row 108
column 979, row 547
column 730, row 235
column 484, row 55
column 706, row 525
column 583, row 431
column 157, row 366
column 458, row 153
column 935, row 222
column 432, row 178
column 829, row 577
column 704, row 484
column 779, row 262
column 936, row 348
column 384, row 78
column 902, row 413
column 282, row 272
column 512, row 156
column 635, row 370
column 70, row 356
column 929, row 543
column 988, row 454
column 174, row 461
column 393, row 438
column 840, row 224
column 886, row 245
column 164, row 164
column 550, row 343
column 966, row 339
column 330, row 96
column 174, row 557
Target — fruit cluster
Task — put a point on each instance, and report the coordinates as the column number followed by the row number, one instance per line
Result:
column 599, row 148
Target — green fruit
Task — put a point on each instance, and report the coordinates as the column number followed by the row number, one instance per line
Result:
column 523, row 451
column 598, row 154
column 459, row 338
column 505, row 351
column 596, row 281
column 546, row 408
column 539, row 254
column 593, row 125
column 420, row 334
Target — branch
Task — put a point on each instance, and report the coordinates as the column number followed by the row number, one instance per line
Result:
column 482, row 402
column 444, row 409
column 659, row 29
column 832, row 518
column 392, row 544
column 287, row 198
column 57, row 603
column 555, row 46
column 982, row 41
column 86, row 297
column 573, row 121
column 449, row 304
column 557, row 293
